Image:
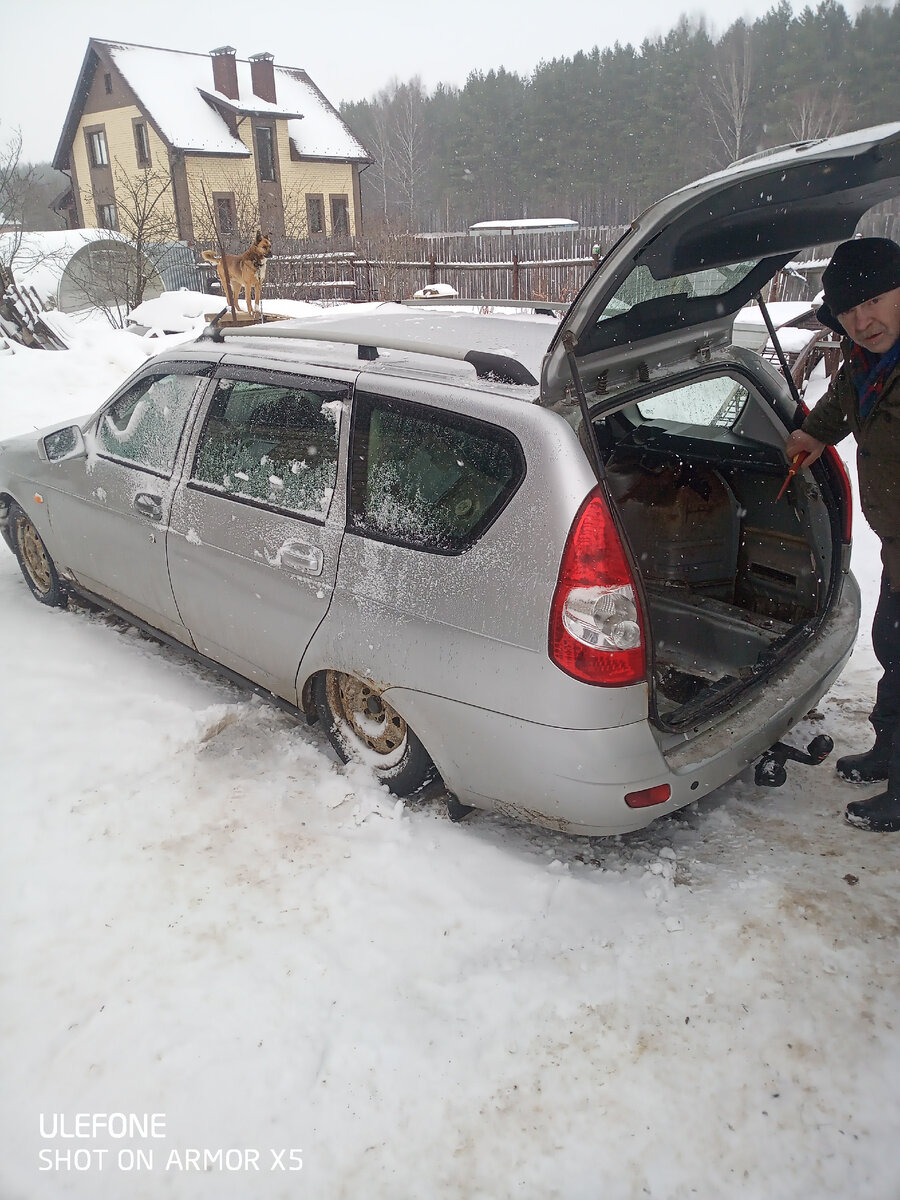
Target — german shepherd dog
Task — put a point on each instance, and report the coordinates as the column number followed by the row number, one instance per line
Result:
column 247, row 270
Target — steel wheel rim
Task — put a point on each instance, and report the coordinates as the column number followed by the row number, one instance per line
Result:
column 34, row 556
column 371, row 721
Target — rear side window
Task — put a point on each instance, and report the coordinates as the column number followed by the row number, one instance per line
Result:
column 428, row 479
column 272, row 443
column 144, row 425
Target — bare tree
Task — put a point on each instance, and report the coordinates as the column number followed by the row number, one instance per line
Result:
column 727, row 96
column 394, row 127
column 407, row 145
column 815, row 115
column 244, row 217
column 116, row 275
column 380, row 144
column 15, row 182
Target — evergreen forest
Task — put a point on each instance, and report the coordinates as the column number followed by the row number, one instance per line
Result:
column 598, row 136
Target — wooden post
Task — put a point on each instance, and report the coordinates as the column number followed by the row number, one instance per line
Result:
column 215, row 224
column 515, row 275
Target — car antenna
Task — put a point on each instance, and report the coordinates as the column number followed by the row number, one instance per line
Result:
column 568, row 340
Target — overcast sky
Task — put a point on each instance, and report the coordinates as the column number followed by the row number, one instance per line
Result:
column 351, row 48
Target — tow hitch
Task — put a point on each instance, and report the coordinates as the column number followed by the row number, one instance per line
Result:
column 770, row 770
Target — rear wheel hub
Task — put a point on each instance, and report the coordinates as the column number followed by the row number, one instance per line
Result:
column 371, row 719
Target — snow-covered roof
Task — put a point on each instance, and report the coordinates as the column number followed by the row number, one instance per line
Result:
column 173, row 86
column 525, row 225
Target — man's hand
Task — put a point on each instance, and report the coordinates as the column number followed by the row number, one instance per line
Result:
column 803, row 441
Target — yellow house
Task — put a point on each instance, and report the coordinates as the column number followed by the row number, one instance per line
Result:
column 240, row 142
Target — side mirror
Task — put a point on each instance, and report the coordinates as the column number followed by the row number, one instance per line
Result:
column 64, row 443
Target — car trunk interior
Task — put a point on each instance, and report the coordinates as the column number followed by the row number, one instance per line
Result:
column 734, row 578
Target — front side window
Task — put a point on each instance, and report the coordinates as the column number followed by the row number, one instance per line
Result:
column 99, row 152
column 425, row 479
column 265, row 152
column 144, row 425
column 273, row 443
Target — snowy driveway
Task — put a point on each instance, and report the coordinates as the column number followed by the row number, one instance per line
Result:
column 206, row 918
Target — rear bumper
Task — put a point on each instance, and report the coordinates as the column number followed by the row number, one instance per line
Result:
column 575, row 780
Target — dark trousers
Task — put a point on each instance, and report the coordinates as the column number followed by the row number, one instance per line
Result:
column 885, row 716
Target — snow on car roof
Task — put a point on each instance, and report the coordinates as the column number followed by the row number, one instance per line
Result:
column 519, row 337
column 171, row 85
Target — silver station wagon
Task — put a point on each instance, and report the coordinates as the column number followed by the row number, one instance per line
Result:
column 546, row 563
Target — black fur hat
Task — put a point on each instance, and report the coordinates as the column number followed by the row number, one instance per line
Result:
column 858, row 271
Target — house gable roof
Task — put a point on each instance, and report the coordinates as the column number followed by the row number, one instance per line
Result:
column 175, row 89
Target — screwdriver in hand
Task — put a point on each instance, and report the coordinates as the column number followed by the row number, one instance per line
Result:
column 796, row 463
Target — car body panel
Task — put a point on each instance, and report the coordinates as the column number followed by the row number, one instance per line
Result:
column 438, row 621
column 254, row 581
column 576, row 780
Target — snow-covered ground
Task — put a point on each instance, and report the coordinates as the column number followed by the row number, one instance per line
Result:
column 206, row 918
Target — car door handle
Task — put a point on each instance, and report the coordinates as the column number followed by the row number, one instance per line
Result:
column 299, row 556
column 149, row 506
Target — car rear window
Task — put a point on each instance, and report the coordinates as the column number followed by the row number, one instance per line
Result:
column 428, row 479
column 718, row 400
column 640, row 286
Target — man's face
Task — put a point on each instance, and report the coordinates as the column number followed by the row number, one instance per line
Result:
column 874, row 324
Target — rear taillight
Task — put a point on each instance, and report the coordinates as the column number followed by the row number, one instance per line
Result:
column 842, row 479
column 596, row 624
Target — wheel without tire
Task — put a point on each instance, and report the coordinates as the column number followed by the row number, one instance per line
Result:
column 37, row 565
column 364, row 728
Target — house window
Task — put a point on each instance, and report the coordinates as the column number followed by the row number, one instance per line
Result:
column 340, row 216
column 142, row 144
column 99, row 152
column 265, row 152
column 225, row 218
column 107, row 216
column 315, row 215
column 107, row 83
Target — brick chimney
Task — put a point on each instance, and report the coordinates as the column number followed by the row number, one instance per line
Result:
column 224, row 66
column 262, row 76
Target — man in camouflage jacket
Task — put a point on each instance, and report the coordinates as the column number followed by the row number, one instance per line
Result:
column 862, row 302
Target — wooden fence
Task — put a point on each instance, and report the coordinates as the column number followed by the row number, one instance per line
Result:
column 533, row 266
column 507, row 267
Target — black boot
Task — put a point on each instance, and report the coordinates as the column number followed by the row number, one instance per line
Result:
column 868, row 767
column 880, row 814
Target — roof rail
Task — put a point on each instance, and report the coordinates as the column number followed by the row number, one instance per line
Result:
column 498, row 367
column 541, row 306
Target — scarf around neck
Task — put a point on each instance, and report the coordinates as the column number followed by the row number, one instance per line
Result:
column 869, row 373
